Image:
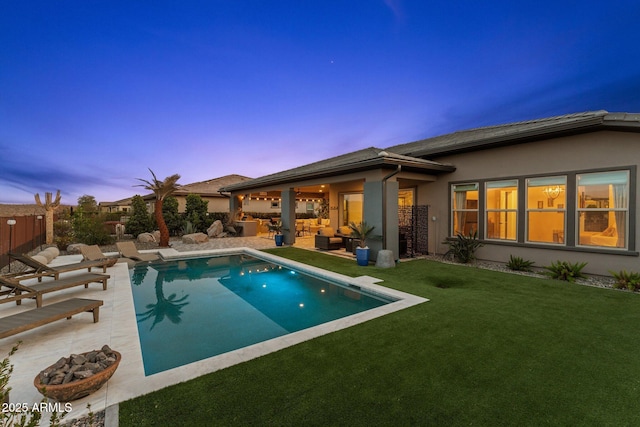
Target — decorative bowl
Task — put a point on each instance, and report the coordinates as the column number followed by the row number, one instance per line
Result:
column 80, row 388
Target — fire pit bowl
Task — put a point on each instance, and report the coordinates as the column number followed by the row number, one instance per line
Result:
column 78, row 388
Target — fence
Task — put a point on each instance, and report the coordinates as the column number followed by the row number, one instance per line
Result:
column 27, row 234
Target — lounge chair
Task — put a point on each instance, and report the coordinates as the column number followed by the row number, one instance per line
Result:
column 327, row 239
column 31, row 319
column 129, row 250
column 21, row 291
column 42, row 270
column 93, row 253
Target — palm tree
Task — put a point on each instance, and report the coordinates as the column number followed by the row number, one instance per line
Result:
column 161, row 189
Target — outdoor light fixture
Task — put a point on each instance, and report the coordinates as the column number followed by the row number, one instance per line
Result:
column 39, row 218
column 552, row 193
column 10, row 222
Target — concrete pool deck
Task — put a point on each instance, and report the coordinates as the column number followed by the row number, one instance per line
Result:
column 117, row 328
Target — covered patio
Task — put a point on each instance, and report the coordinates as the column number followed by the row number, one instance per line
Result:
column 369, row 185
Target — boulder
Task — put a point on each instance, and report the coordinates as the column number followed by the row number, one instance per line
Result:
column 215, row 229
column 74, row 248
column 146, row 238
column 385, row 259
column 53, row 250
column 195, row 238
column 46, row 255
column 156, row 235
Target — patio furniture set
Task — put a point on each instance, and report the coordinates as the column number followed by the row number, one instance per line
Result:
column 40, row 279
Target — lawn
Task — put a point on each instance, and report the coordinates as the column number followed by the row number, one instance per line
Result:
column 488, row 349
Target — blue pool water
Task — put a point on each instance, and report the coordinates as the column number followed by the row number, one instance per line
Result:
column 192, row 309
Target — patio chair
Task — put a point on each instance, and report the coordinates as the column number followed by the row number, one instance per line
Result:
column 42, row 270
column 93, row 253
column 21, row 291
column 31, row 319
column 129, row 250
column 326, row 239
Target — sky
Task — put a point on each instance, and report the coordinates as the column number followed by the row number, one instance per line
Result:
column 93, row 94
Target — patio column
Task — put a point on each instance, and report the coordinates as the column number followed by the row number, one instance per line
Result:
column 381, row 211
column 288, row 212
column 234, row 204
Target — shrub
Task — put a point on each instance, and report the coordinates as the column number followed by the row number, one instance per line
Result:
column 90, row 229
column 626, row 279
column 140, row 220
column 519, row 264
column 463, row 248
column 563, row 270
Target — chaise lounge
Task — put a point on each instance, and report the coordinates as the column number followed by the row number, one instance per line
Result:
column 43, row 270
column 19, row 291
column 129, row 250
column 31, row 319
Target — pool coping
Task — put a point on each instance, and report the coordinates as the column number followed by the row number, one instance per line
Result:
column 118, row 322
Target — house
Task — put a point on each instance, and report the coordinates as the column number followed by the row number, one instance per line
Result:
column 558, row 188
column 209, row 191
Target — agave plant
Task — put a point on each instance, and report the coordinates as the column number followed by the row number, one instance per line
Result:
column 463, row 248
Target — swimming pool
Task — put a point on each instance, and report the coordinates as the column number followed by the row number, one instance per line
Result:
column 191, row 309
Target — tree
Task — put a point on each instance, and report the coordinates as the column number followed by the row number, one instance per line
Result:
column 196, row 212
column 139, row 221
column 88, row 204
column 88, row 224
column 161, row 189
column 50, row 208
column 171, row 216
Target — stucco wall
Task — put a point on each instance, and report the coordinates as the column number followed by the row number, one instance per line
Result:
column 598, row 150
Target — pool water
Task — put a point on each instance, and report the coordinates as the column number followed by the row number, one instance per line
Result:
column 192, row 309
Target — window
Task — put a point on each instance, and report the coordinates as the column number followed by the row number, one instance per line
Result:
column 603, row 208
column 352, row 207
column 501, row 204
column 464, row 208
column 546, row 209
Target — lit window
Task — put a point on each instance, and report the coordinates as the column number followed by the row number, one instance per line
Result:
column 464, row 208
column 546, row 209
column 603, row 205
column 502, row 209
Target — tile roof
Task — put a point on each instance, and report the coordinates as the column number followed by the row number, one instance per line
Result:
column 366, row 158
column 473, row 139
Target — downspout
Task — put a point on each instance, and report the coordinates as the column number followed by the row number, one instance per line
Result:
column 384, row 205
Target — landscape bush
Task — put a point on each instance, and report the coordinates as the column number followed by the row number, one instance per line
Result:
column 626, row 280
column 563, row 270
column 463, row 248
column 519, row 264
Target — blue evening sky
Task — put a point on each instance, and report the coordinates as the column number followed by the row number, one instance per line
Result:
column 92, row 93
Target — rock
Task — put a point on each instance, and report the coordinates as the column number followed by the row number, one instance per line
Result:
column 77, row 367
column 195, row 238
column 156, row 235
column 46, row 255
column 385, row 259
column 82, row 374
column 146, row 238
column 78, row 359
column 215, row 229
column 74, row 248
column 53, row 251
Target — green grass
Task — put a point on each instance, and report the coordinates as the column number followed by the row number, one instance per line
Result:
column 488, row 349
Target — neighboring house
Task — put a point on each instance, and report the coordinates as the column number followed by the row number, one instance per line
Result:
column 208, row 190
column 559, row 188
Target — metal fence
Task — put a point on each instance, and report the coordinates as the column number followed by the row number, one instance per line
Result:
column 25, row 235
column 414, row 230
